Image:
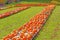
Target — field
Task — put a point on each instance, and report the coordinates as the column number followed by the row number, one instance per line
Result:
column 50, row 31
column 15, row 21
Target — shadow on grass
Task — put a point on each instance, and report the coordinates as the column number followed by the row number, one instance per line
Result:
column 41, row 1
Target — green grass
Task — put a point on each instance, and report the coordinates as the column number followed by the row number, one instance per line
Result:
column 56, row 2
column 7, row 10
column 33, row 2
column 41, row 1
column 51, row 30
column 25, row 2
column 7, row 25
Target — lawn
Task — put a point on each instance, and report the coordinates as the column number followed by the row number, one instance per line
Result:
column 8, row 24
column 40, row 1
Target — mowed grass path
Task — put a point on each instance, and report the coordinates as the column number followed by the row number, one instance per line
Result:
column 8, row 24
column 7, row 10
column 51, row 30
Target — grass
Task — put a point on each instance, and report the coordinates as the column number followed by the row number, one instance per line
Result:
column 7, row 25
column 25, row 2
column 51, row 30
column 41, row 1
column 56, row 2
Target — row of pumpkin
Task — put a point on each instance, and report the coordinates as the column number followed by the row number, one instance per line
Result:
column 40, row 4
column 31, row 4
column 29, row 30
column 13, row 12
column 24, row 5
